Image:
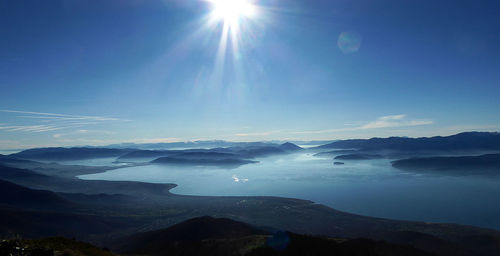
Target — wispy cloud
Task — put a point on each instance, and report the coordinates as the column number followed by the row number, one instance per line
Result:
column 394, row 121
column 393, row 117
column 157, row 140
column 381, row 122
column 46, row 122
column 32, row 128
column 42, row 115
column 253, row 134
column 82, row 131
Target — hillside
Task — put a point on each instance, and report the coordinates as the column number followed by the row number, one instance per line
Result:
column 288, row 146
column 137, row 154
column 467, row 164
column 202, row 161
column 218, row 236
column 18, row 196
column 50, row 247
column 251, row 152
column 62, row 154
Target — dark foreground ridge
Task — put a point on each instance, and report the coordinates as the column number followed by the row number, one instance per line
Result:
column 52, row 246
column 206, row 236
column 220, row 236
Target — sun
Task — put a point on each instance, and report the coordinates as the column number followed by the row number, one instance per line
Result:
column 231, row 11
column 238, row 22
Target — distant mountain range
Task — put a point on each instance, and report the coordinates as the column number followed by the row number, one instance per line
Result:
column 186, row 145
column 458, row 142
column 206, row 144
column 461, row 141
column 237, row 155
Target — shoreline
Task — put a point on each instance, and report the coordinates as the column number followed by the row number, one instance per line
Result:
column 181, row 194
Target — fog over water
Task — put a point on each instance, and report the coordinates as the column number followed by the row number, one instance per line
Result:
column 369, row 187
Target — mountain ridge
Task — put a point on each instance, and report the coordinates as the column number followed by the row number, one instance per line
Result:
column 461, row 141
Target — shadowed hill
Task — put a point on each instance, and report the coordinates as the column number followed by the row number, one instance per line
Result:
column 202, row 162
column 192, row 231
column 33, row 180
column 467, row 164
column 54, row 154
column 251, row 152
column 204, row 158
column 53, row 169
column 18, row 196
column 38, row 213
column 188, row 153
column 290, row 147
column 50, row 247
column 298, row 245
column 215, row 236
column 38, row 223
column 137, row 154
column 12, row 160
column 206, row 155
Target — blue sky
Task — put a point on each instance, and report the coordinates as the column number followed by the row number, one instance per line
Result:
column 81, row 72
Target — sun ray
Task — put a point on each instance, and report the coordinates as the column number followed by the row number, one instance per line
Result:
column 231, row 11
column 221, row 54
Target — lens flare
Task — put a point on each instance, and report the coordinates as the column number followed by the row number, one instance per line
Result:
column 349, row 42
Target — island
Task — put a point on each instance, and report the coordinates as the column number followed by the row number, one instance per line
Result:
column 335, row 152
column 202, row 161
column 359, row 157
